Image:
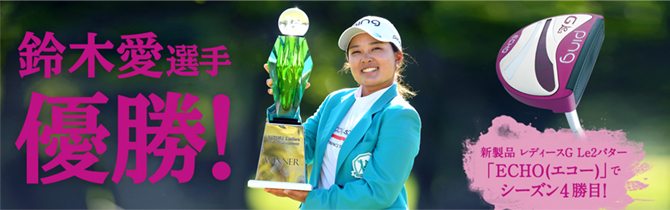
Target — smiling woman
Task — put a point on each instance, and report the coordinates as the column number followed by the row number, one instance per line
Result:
column 372, row 63
column 362, row 141
column 382, row 52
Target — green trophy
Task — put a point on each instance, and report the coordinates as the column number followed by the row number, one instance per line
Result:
column 282, row 158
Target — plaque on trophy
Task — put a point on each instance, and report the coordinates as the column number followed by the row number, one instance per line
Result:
column 281, row 164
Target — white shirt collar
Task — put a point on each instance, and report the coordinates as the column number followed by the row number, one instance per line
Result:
column 376, row 94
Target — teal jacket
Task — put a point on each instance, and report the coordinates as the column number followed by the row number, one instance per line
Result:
column 375, row 159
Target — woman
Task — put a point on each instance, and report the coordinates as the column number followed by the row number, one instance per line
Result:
column 362, row 142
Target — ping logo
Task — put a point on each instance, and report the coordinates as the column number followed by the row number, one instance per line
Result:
column 359, row 163
column 376, row 23
column 570, row 56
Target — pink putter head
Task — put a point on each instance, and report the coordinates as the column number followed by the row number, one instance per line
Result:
column 548, row 63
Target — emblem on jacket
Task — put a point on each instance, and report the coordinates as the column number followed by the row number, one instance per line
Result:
column 359, row 164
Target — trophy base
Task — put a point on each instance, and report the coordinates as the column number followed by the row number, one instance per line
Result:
column 281, row 164
column 279, row 185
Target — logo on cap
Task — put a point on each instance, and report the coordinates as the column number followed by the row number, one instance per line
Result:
column 377, row 35
column 383, row 30
column 376, row 23
column 396, row 38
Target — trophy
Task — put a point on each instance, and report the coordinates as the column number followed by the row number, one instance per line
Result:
column 281, row 164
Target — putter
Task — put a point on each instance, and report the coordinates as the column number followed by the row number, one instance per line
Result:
column 548, row 63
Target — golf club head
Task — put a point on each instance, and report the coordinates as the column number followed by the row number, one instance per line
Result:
column 548, row 63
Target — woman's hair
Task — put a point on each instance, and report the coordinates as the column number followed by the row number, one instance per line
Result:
column 403, row 88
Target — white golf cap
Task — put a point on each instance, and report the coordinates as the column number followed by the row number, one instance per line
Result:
column 378, row 27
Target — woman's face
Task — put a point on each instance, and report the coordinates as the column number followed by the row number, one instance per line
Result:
column 372, row 62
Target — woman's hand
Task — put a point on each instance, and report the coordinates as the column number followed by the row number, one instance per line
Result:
column 297, row 195
column 269, row 81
